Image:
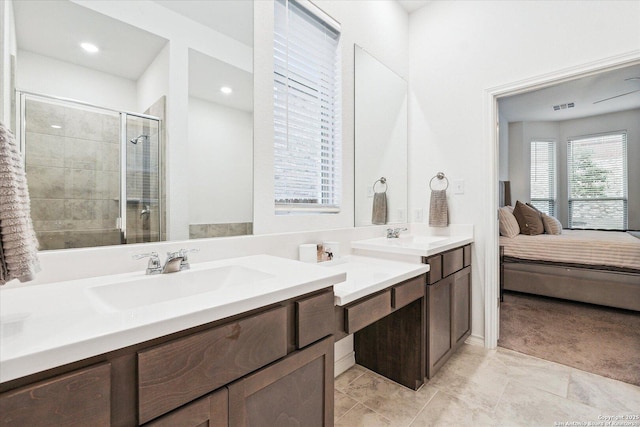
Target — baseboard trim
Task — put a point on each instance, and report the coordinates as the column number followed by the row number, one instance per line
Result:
column 344, row 363
column 475, row 340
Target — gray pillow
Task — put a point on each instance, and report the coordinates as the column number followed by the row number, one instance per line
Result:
column 529, row 219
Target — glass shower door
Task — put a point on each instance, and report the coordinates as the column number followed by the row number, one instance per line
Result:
column 141, row 154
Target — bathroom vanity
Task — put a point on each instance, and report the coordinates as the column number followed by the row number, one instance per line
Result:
column 270, row 362
column 446, row 315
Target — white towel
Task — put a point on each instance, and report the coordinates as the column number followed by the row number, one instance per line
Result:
column 18, row 243
column 438, row 209
column 379, row 211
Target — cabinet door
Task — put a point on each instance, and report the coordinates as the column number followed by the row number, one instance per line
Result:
column 208, row 411
column 80, row 398
column 461, row 292
column 298, row 390
column 439, row 324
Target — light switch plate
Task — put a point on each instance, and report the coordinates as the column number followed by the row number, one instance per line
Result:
column 458, row 186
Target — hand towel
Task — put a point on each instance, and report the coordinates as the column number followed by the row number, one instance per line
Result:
column 18, row 243
column 438, row 210
column 379, row 214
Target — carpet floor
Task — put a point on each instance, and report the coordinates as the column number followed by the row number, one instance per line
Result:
column 596, row 339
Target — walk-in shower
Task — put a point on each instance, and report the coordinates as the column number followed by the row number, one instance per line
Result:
column 93, row 173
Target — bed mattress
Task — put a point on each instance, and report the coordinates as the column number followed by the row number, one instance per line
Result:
column 581, row 247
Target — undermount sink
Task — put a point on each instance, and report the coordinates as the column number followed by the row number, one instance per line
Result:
column 154, row 289
column 407, row 239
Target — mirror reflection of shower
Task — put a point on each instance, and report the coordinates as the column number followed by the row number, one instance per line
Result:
column 91, row 172
column 139, row 138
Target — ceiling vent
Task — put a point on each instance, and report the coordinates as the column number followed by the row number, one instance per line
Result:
column 563, row 106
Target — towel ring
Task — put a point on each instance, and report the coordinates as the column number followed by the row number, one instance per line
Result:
column 440, row 176
column 383, row 181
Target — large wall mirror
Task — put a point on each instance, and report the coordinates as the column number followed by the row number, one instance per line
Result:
column 380, row 142
column 93, row 121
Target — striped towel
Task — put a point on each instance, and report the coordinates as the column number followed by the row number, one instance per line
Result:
column 18, row 243
column 438, row 210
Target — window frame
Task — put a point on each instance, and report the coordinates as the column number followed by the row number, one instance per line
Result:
column 322, row 138
column 625, row 179
column 553, row 176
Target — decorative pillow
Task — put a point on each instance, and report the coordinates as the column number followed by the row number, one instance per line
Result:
column 529, row 219
column 551, row 224
column 508, row 224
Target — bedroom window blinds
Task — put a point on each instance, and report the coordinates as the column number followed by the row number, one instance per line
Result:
column 307, row 110
column 597, row 178
column 543, row 176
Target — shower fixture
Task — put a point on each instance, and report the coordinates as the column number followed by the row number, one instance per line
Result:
column 142, row 137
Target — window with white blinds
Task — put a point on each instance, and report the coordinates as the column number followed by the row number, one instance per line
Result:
column 307, row 110
column 597, row 179
column 543, row 176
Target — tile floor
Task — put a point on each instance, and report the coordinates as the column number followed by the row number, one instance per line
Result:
column 480, row 387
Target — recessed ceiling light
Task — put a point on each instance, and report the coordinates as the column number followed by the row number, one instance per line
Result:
column 56, row 126
column 226, row 90
column 92, row 48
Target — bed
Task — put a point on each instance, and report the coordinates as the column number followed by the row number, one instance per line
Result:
column 597, row 267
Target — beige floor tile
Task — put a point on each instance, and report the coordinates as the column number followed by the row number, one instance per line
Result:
column 610, row 396
column 447, row 410
column 395, row 402
column 480, row 387
column 523, row 405
column 342, row 404
column 361, row 416
column 534, row 372
column 348, row 376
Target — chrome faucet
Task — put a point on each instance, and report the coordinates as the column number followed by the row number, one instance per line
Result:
column 394, row 233
column 176, row 261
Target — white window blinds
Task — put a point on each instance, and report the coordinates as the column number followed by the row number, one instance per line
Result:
column 597, row 178
column 307, row 111
column 543, row 176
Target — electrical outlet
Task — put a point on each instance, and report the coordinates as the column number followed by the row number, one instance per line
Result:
column 418, row 215
column 458, row 186
column 369, row 192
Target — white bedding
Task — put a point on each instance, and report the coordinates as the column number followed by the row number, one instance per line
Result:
column 590, row 247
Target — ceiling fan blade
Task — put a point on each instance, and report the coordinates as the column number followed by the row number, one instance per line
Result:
column 618, row 96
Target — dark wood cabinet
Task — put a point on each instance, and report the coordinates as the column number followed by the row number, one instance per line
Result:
column 78, row 398
column 280, row 357
column 448, row 305
column 388, row 330
column 298, row 390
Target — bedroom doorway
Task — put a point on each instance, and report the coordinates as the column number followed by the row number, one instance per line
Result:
column 497, row 103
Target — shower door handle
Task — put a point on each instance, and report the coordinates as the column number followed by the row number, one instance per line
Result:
column 145, row 211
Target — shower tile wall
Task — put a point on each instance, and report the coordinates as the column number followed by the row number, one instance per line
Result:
column 73, row 175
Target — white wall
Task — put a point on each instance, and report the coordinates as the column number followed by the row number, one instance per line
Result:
column 458, row 51
column 380, row 27
column 48, row 76
column 7, row 49
column 154, row 82
column 221, row 174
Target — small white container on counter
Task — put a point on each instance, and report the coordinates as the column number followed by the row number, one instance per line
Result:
column 308, row 252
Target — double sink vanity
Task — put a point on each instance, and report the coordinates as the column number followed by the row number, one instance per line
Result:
column 242, row 341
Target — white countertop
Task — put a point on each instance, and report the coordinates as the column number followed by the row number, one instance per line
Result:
column 50, row 325
column 368, row 275
column 410, row 244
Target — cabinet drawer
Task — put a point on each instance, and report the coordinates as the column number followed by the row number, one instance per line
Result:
column 173, row 374
column 452, row 261
column 79, row 398
column 407, row 292
column 467, row 255
column 314, row 318
column 211, row 411
column 435, row 269
column 366, row 312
